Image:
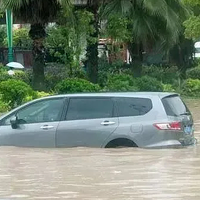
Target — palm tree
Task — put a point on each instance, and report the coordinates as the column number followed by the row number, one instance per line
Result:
column 91, row 62
column 150, row 21
column 92, row 48
column 38, row 13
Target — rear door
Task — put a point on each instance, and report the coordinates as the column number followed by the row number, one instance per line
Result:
column 89, row 122
column 177, row 111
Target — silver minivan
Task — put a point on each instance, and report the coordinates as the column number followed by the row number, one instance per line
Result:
column 133, row 119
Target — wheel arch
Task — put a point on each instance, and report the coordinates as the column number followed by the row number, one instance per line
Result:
column 120, row 141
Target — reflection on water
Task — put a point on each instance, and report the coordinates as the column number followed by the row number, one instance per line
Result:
column 102, row 174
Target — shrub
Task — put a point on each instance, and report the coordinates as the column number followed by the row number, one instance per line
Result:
column 147, row 83
column 3, row 107
column 36, row 95
column 54, row 73
column 19, row 75
column 105, row 69
column 191, row 87
column 14, row 92
column 4, row 75
column 76, row 85
column 22, row 76
column 41, row 94
column 166, row 75
column 103, row 77
column 193, row 73
column 121, row 83
column 168, row 88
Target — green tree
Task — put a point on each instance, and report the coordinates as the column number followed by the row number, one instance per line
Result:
column 147, row 21
column 192, row 28
column 150, row 22
column 20, row 38
column 192, row 2
column 192, row 24
column 38, row 13
column 91, row 62
column 66, row 40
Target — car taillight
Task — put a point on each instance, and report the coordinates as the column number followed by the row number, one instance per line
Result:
column 174, row 126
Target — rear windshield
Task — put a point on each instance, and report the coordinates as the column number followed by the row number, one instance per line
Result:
column 174, row 106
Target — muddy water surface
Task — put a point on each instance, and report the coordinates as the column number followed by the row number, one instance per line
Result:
column 102, row 174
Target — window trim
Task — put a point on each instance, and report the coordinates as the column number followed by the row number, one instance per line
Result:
column 32, row 103
column 114, row 112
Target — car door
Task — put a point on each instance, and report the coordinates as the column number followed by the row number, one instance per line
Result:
column 38, row 124
column 89, row 122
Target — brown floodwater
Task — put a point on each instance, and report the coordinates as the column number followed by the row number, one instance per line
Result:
column 102, row 174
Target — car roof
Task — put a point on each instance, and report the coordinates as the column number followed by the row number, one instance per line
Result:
column 118, row 94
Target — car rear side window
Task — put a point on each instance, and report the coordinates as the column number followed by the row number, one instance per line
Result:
column 90, row 108
column 133, row 106
column 174, row 106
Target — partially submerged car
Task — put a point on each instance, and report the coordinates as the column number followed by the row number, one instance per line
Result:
column 132, row 119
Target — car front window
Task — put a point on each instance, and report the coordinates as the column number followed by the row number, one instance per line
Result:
column 42, row 111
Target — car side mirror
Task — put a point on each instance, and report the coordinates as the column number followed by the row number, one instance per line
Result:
column 14, row 122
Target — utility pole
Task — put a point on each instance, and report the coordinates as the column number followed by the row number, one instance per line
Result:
column 9, row 24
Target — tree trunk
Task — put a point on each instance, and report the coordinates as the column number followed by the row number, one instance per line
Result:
column 92, row 47
column 38, row 34
column 135, row 51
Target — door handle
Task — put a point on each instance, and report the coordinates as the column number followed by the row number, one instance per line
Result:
column 46, row 127
column 106, row 123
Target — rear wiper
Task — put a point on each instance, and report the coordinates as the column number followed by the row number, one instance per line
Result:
column 186, row 113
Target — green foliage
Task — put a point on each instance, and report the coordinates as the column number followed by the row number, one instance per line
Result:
column 192, row 2
column 67, row 41
column 2, row 67
column 166, row 75
column 4, row 107
column 117, row 28
column 22, row 76
column 20, row 38
column 14, row 92
column 192, row 27
column 19, row 75
column 125, row 82
column 40, row 12
column 36, row 95
column 4, row 75
column 120, row 83
column 193, row 73
column 105, row 70
column 151, row 20
column 168, row 88
column 146, row 83
column 2, row 35
column 41, row 94
column 76, row 85
column 191, row 87
column 54, row 73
